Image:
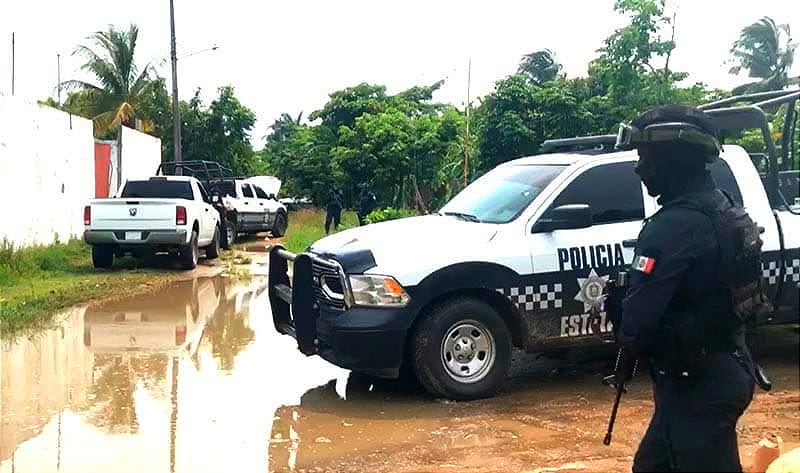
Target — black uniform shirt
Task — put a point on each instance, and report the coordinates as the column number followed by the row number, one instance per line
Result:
column 676, row 267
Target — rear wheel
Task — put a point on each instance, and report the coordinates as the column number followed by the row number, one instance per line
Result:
column 188, row 254
column 462, row 350
column 212, row 251
column 280, row 225
column 102, row 256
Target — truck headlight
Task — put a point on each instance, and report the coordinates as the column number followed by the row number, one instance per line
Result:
column 373, row 290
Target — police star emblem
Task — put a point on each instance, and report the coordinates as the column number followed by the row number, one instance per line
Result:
column 591, row 288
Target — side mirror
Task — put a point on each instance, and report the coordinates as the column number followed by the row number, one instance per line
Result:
column 271, row 196
column 564, row 217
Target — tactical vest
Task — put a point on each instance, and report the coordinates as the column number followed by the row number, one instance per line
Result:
column 717, row 322
column 740, row 245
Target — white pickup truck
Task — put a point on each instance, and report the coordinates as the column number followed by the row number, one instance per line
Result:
column 162, row 214
column 251, row 205
column 516, row 260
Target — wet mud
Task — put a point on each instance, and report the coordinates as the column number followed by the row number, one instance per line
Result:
column 194, row 378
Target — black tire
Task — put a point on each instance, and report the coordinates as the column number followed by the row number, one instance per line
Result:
column 478, row 331
column 280, row 225
column 188, row 254
column 102, row 256
column 232, row 232
column 212, row 251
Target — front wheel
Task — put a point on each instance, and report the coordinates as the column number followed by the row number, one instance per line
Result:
column 212, row 252
column 280, row 225
column 462, row 350
column 231, row 232
column 188, row 255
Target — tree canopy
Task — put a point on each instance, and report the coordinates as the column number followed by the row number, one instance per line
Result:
column 408, row 147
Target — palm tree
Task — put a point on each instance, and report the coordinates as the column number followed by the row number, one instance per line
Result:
column 765, row 49
column 540, row 65
column 121, row 87
column 283, row 126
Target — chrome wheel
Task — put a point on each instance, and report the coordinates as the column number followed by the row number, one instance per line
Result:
column 230, row 233
column 468, row 351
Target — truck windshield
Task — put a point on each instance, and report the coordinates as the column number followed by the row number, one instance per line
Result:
column 158, row 190
column 501, row 195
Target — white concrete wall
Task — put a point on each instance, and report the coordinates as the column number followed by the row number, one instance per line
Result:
column 46, row 172
column 141, row 155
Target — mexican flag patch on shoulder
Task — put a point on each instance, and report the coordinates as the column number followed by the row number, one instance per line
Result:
column 644, row 264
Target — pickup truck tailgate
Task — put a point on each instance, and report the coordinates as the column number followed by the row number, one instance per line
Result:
column 134, row 214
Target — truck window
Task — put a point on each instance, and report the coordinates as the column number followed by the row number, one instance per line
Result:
column 228, row 188
column 501, row 195
column 158, row 189
column 247, row 191
column 723, row 177
column 613, row 191
column 203, row 193
column 260, row 193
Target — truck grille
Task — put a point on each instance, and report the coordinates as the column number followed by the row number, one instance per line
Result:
column 327, row 284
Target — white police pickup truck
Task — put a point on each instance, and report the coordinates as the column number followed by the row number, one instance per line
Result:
column 161, row 214
column 517, row 259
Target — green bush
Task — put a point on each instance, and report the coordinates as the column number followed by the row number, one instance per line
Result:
column 26, row 263
column 389, row 213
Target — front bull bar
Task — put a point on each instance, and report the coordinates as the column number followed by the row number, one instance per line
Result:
column 294, row 311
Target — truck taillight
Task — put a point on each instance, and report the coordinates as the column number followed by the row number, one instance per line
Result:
column 87, row 215
column 180, row 335
column 180, row 215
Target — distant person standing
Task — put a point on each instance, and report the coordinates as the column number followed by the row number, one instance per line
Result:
column 333, row 210
column 366, row 203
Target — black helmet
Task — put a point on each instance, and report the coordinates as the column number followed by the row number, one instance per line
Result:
column 671, row 124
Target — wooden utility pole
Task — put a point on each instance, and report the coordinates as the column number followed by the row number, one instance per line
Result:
column 466, row 137
column 58, row 60
column 13, row 64
column 176, row 110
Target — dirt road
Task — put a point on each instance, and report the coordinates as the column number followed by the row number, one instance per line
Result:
column 194, row 379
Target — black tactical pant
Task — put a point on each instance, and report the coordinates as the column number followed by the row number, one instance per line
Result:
column 332, row 216
column 694, row 424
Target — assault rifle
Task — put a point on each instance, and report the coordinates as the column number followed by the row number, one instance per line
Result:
column 625, row 367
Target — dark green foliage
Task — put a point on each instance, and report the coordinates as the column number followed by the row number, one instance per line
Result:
column 398, row 144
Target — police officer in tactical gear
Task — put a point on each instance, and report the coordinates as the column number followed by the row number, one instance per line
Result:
column 695, row 279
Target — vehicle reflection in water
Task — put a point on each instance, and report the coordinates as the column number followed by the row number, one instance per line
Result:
column 104, row 388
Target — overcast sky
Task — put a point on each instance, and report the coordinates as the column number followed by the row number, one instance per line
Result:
column 288, row 56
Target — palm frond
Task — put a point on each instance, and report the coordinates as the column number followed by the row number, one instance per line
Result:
column 109, row 56
column 79, row 84
column 101, row 67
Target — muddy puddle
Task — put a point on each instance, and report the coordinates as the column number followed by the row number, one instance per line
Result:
column 195, row 379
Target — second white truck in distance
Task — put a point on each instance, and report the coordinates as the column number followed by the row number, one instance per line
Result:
column 162, row 214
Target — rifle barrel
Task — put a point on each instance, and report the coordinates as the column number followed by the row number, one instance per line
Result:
column 620, row 388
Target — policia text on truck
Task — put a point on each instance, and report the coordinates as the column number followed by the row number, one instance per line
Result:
column 517, row 259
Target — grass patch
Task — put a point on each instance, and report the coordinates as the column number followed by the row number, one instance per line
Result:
column 308, row 225
column 37, row 282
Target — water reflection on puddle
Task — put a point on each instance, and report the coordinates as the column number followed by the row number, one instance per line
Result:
column 187, row 379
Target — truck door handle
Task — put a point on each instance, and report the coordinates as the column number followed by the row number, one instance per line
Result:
column 206, row 209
